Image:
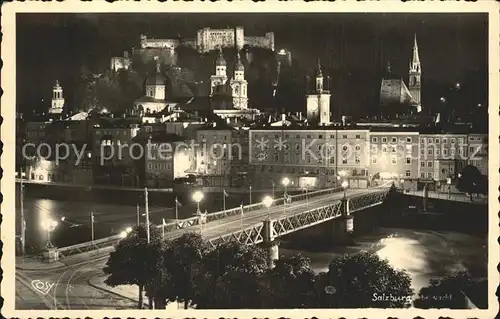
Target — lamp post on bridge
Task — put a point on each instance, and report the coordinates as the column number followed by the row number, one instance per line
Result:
column 285, row 182
column 197, row 197
column 268, row 201
column 344, row 185
column 49, row 226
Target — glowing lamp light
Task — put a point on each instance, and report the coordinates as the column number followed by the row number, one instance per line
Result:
column 198, row 196
column 128, row 230
column 285, row 181
column 123, row 234
column 345, row 184
column 267, row 201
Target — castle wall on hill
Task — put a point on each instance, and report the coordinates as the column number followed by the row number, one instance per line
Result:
column 165, row 56
column 208, row 39
column 266, row 42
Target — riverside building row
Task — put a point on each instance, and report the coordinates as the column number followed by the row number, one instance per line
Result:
column 220, row 154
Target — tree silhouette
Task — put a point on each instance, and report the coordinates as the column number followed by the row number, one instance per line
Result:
column 133, row 259
column 363, row 280
column 471, row 181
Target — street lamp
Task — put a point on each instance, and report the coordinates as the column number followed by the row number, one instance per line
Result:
column 124, row 233
column 49, row 225
column 268, row 201
column 285, row 183
column 345, row 184
column 197, row 197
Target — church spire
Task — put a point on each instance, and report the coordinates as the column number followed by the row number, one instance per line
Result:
column 157, row 59
column 416, row 58
column 319, row 71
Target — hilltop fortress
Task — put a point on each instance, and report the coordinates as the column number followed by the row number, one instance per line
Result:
column 208, row 39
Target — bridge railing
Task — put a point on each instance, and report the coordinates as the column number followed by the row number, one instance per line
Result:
column 189, row 222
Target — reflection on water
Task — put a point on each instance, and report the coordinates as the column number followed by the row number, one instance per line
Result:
column 424, row 254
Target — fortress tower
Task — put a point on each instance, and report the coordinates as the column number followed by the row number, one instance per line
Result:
column 318, row 101
column 239, row 86
column 57, row 99
column 415, row 73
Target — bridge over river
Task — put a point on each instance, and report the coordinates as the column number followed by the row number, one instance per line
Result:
column 255, row 224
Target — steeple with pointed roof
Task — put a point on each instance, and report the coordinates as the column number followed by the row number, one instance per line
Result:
column 415, row 73
column 220, row 61
column 239, row 65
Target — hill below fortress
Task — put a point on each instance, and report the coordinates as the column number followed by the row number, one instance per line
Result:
column 187, row 72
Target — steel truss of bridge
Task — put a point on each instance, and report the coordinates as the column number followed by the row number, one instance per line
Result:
column 256, row 233
column 259, row 232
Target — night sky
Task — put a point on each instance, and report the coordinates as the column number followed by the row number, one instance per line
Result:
column 452, row 46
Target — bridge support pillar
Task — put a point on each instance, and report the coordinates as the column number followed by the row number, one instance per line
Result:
column 271, row 245
column 343, row 226
column 50, row 254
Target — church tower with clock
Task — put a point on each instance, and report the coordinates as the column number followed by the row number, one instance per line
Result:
column 318, row 101
column 415, row 74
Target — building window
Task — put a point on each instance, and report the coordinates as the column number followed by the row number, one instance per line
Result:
column 344, row 161
column 436, row 140
column 471, row 149
column 374, row 140
column 452, row 140
column 461, row 140
column 374, row 160
column 453, row 151
column 320, row 136
column 358, row 136
column 445, row 151
column 422, row 175
column 437, row 151
column 332, row 160
column 384, row 148
column 422, row 151
column 429, row 140
column 394, row 160
column 408, row 140
column 430, row 175
column 408, row 159
column 384, row 139
column 394, row 140
column 357, row 160
column 445, row 140
column 344, row 136
column 430, row 152
column 429, row 164
column 408, row 173
column 422, row 164
column 422, row 140
column 332, row 136
column 357, row 147
column 393, row 148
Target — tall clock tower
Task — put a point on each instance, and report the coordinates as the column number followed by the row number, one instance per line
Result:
column 415, row 74
column 318, row 101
